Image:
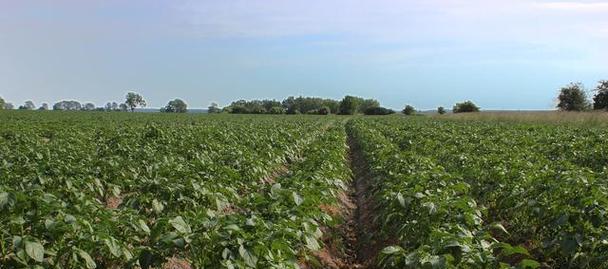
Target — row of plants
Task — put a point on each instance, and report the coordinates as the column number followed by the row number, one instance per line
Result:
column 116, row 191
column 480, row 194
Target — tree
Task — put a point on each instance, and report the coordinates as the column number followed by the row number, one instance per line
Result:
column 214, row 108
column 277, row 110
column 572, row 98
column 378, row 111
column 175, row 106
column 441, row 110
column 349, row 105
column 9, row 106
column 366, row 104
column 134, row 100
column 29, row 105
column 600, row 100
column 111, row 106
column 67, row 105
column 88, row 107
column 2, row 103
column 409, row 110
column 44, row 106
column 123, row 107
column 464, row 107
column 324, row 110
column 269, row 104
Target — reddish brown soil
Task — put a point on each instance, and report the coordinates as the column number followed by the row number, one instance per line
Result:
column 352, row 244
column 176, row 263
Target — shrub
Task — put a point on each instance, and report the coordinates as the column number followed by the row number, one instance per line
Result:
column 441, row 110
column 409, row 110
column 465, row 107
column 378, row 111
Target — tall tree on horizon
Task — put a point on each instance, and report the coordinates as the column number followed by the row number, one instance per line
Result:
column 600, row 100
column 572, row 98
column 134, row 100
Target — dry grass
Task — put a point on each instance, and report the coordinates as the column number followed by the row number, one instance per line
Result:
column 552, row 117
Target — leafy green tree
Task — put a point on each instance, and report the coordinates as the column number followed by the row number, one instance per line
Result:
column 214, row 108
column 134, row 100
column 349, row 105
column 2, row 103
column 123, row 107
column 572, row 98
column 307, row 104
column 44, row 106
column 409, row 110
column 175, row 106
column 29, row 105
column 465, row 107
column 67, row 105
column 269, row 104
column 277, row 110
column 324, row 110
column 441, row 110
column 9, row 106
column 600, row 100
column 111, row 106
column 88, row 107
column 367, row 104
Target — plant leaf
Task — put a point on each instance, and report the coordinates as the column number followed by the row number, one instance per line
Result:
column 180, row 225
column 35, row 250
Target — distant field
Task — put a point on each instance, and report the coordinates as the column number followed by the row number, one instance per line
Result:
column 152, row 190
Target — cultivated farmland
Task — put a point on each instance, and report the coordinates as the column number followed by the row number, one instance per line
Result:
column 130, row 190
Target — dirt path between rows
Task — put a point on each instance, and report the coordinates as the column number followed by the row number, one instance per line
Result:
column 354, row 244
column 363, row 244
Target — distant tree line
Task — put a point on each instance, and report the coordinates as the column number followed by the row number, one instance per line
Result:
column 572, row 97
column 349, row 105
column 132, row 101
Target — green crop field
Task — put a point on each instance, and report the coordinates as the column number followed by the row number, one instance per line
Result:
column 138, row 190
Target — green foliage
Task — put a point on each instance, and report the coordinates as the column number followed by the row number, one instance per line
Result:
column 600, row 100
column 214, row 108
column 2, row 103
column 134, row 100
column 307, row 104
column 409, row 110
column 465, row 107
column 572, row 98
column 378, row 111
column 441, row 110
column 28, row 105
column 486, row 194
column 277, row 110
column 67, row 105
column 350, row 105
column 131, row 190
column 114, row 190
column 175, row 106
column 367, row 104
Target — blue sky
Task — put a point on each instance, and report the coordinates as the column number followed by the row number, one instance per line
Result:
column 501, row 54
